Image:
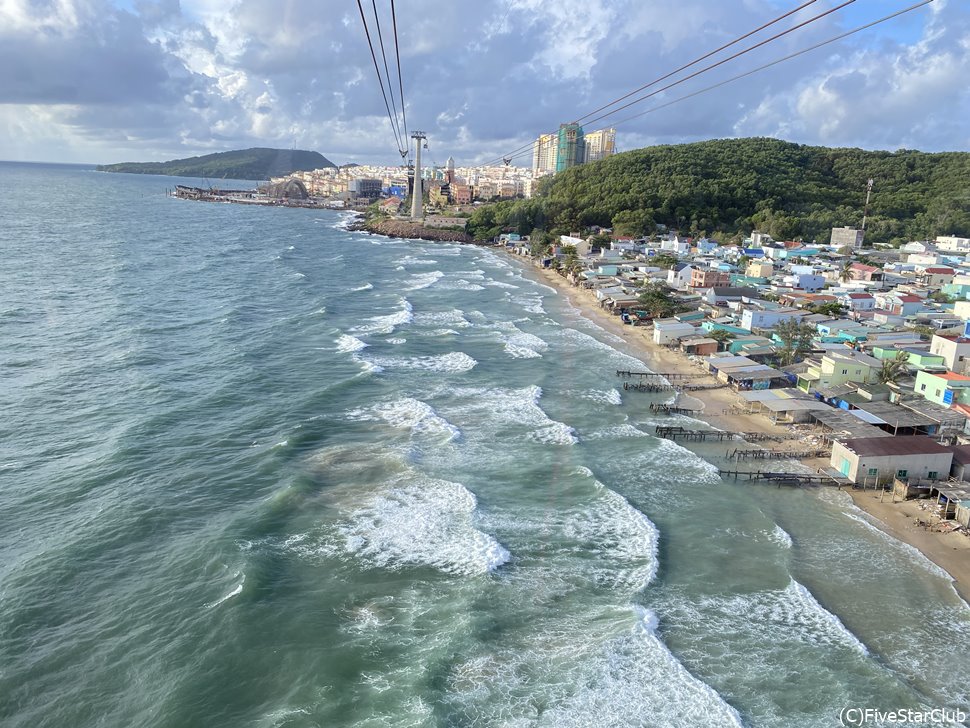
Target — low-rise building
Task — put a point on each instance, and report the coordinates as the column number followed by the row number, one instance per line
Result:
column 670, row 331
column 946, row 388
column 709, row 278
column 878, row 460
column 955, row 351
column 752, row 318
column 836, row 368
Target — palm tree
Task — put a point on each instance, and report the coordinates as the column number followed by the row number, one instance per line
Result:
column 846, row 273
column 893, row 369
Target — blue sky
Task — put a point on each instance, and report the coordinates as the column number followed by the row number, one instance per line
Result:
column 114, row 80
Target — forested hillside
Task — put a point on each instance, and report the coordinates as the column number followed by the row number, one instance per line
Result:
column 729, row 187
column 258, row 163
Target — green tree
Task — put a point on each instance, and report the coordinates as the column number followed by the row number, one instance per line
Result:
column 796, row 340
column 540, row 243
column 832, row 308
column 845, row 273
column 657, row 301
column 892, row 369
column 721, row 336
column 664, row 260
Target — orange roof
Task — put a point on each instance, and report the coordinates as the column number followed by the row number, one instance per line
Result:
column 954, row 377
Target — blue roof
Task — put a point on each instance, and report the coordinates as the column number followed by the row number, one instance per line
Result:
column 754, row 252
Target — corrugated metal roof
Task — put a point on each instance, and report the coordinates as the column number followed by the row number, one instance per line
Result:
column 876, row 446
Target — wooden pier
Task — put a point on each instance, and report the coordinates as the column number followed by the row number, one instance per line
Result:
column 777, row 454
column 681, row 433
column 651, row 387
column 666, row 375
column 642, row 387
column 780, row 479
column 668, row 409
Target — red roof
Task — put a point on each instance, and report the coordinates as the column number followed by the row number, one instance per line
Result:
column 940, row 270
column 863, row 267
column 907, row 298
column 858, row 296
column 954, row 377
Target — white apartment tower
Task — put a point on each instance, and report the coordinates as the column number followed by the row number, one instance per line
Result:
column 545, row 154
column 600, row 144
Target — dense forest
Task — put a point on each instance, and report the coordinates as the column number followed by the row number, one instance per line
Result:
column 258, row 163
column 727, row 188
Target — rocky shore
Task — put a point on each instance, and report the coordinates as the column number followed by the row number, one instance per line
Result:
column 403, row 229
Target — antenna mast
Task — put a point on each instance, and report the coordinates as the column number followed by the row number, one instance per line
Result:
column 865, row 212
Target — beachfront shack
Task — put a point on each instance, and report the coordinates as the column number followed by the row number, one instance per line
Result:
column 881, row 459
column 743, row 373
column 782, row 405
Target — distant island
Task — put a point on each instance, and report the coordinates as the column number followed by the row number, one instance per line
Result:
column 258, row 163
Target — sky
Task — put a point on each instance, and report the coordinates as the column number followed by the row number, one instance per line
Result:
column 100, row 81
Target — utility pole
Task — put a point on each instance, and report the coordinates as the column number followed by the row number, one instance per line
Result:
column 417, row 196
column 865, row 212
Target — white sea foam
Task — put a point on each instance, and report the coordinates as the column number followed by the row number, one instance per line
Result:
column 625, row 538
column 611, row 670
column 396, row 341
column 781, row 537
column 500, row 284
column 600, row 396
column 365, row 287
column 455, row 361
column 347, row 344
column 779, row 617
column 637, row 676
column 917, row 556
column 412, row 414
column 555, row 433
column 387, row 323
column 423, row 280
column 518, row 408
column 530, row 304
column 235, row 592
column 521, row 352
column 421, row 521
column 611, row 433
column 460, row 285
column 453, row 318
column 412, row 260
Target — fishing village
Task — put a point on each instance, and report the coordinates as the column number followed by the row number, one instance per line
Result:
column 808, row 367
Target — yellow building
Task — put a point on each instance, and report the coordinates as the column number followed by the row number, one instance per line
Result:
column 600, row 144
column 836, row 368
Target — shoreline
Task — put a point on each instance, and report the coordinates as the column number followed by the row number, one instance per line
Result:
column 949, row 551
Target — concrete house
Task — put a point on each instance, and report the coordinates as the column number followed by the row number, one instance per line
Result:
column 679, row 276
column 880, row 459
column 945, row 389
column 837, row 368
column 670, row 331
column 955, row 351
column 857, row 301
column 752, row 319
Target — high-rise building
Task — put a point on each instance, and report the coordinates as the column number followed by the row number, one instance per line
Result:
column 571, row 147
column 600, row 144
column 544, row 154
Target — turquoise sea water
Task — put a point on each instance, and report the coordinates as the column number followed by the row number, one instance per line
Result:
column 256, row 470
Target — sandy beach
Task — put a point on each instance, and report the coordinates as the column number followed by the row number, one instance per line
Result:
column 950, row 551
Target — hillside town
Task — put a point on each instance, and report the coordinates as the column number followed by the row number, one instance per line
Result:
column 865, row 352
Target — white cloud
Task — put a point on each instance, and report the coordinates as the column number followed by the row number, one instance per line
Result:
column 87, row 81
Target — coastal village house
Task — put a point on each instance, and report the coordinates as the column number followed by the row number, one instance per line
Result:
column 946, row 388
column 836, row 368
column 955, row 351
column 872, row 460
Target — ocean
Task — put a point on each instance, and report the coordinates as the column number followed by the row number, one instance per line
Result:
column 258, row 470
